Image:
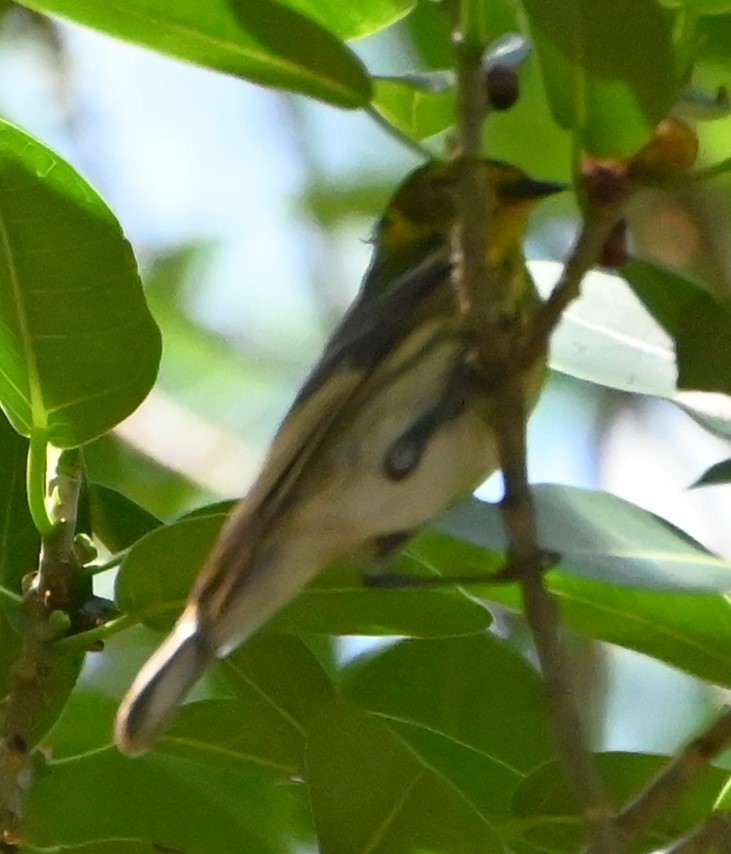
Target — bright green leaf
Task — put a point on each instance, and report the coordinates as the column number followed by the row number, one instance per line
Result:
column 370, row 792
column 608, row 337
column 700, row 7
column 340, row 602
column 350, row 20
column 608, row 67
column 155, row 577
column 80, row 349
column 264, row 42
column 418, row 105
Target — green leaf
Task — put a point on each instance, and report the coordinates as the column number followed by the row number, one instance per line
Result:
column 116, row 520
column 688, row 631
column 263, row 42
column 116, row 464
column 350, row 20
column 370, row 792
column 458, row 702
column 156, row 576
column 341, row 602
column 551, row 816
column 608, row 337
column 80, row 349
column 700, row 7
column 608, row 67
column 280, row 687
column 154, row 579
column 168, row 803
column 717, row 474
column 699, row 324
column 597, row 536
column 419, row 105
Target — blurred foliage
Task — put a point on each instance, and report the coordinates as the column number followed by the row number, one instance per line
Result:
column 436, row 738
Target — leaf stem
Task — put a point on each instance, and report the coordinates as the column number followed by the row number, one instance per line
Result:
column 413, row 145
column 85, row 640
column 36, row 481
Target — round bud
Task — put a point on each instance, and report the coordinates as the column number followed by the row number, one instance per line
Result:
column 502, row 86
column 669, row 154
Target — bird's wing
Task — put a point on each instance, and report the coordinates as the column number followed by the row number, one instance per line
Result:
column 366, row 337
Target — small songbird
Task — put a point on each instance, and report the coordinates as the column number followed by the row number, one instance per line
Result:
column 392, row 426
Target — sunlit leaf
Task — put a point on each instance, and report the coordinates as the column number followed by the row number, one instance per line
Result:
column 608, row 81
column 350, row 20
column 264, row 42
column 80, row 349
column 418, row 105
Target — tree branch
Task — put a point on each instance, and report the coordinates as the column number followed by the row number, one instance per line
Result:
column 43, row 675
column 504, row 355
column 665, row 790
column 711, row 837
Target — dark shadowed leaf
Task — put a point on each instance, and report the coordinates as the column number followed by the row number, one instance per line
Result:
column 370, row 792
column 550, row 815
column 165, row 802
column 279, row 688
column 458, row 703
column 157, row 574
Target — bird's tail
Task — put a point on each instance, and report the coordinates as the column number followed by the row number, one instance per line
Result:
column 162, row 684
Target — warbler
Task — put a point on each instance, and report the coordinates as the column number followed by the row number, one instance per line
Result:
column 391, row 427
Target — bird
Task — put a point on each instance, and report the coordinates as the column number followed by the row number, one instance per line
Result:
column 391, row 427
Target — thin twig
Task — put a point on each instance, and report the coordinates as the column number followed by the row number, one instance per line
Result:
column 666, row 789
column 713, row 836
column 597, row 227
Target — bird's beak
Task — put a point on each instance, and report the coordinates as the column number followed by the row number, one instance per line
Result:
column 530, row 189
